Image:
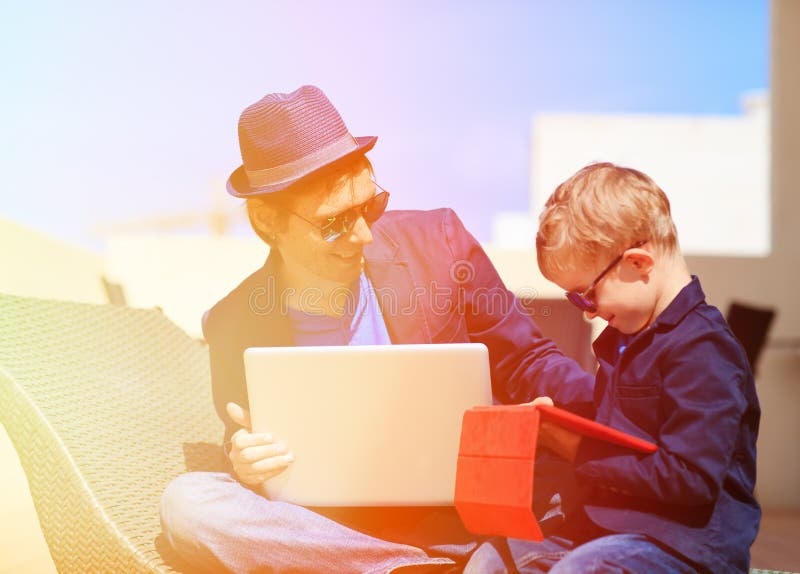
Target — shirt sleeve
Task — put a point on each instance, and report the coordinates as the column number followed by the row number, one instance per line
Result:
column 525, row 364
column 702, row 404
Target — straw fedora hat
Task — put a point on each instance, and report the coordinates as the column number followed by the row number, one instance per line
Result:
column 286, row 137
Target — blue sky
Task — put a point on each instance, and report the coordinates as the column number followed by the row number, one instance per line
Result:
column 124, row 110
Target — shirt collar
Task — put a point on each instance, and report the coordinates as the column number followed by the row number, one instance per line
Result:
column 687, row 299
column 605, row 346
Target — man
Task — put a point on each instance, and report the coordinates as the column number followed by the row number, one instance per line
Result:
column 341, row 272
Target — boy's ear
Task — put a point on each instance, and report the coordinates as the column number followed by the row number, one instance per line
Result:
column 641, row 260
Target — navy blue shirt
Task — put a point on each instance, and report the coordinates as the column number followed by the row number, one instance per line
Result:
column 685, row 384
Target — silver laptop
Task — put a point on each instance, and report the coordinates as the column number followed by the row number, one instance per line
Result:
column 369, row 425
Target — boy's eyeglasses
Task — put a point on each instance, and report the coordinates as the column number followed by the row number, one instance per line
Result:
column 342, row 223
column 581, row 300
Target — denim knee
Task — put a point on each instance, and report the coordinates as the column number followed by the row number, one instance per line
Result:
column 618, row 553
column 185, row 503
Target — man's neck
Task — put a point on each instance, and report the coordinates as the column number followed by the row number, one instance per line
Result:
column 314, row 295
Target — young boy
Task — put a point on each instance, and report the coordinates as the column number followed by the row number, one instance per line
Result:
column 670, row 371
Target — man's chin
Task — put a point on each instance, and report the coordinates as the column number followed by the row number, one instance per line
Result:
column 345, row 270
column 347, row 260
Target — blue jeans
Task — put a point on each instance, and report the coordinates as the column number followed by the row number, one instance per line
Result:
column 217, row 525
column 611, row 554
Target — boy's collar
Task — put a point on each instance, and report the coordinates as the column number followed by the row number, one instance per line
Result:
column 687, row 299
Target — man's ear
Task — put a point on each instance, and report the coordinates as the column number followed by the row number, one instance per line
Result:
column 265, row 218
column 640, row 259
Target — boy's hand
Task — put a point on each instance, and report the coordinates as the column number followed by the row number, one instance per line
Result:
column 541, row 401
column 563, row 442
column 255, row 457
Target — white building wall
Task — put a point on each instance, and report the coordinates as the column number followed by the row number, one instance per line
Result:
column 714, row 169
column 184, row 275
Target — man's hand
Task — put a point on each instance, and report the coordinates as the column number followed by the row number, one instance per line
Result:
column 256, row 457
column 561, row 441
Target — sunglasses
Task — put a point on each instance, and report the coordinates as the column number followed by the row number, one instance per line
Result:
column 582, row 300
column 341, row 224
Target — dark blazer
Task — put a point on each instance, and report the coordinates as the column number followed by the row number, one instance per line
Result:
column 434, row 284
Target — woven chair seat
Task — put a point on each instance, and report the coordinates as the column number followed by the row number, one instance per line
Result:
column 105, row 405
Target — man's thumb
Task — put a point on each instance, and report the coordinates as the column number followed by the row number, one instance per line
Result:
column 238, row 415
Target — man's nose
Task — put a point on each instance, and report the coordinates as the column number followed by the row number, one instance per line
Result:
column 361, row 233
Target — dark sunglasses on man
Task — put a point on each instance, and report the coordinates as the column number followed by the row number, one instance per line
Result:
column 341, row 224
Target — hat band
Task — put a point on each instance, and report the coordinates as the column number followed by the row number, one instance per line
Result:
column 295, row 169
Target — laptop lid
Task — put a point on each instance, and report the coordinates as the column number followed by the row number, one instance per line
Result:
column 374, row 425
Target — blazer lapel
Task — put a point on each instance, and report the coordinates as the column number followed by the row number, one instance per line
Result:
column 403, row 307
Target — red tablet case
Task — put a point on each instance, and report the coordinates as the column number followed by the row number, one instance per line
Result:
column 494, row 477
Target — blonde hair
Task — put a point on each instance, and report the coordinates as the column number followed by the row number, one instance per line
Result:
column 600, row 212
